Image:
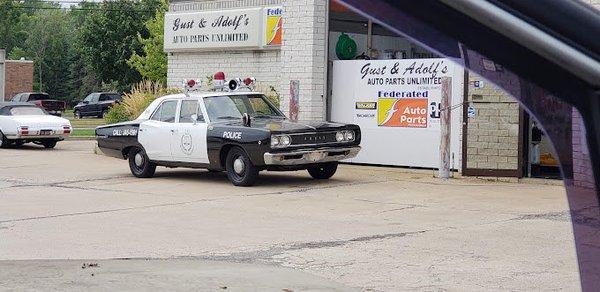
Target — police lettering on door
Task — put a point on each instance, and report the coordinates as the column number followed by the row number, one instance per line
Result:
column 232, row 135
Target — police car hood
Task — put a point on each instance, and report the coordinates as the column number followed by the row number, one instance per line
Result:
column 286, row 126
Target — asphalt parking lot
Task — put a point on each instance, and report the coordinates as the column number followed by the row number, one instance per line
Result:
column 372, row 228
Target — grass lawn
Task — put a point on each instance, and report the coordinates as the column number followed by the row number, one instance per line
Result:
column 83, row 133
column 83, row 127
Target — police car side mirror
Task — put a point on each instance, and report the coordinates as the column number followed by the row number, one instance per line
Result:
column 246, row 121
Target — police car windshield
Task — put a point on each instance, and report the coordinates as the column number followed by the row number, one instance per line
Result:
column 226, row 107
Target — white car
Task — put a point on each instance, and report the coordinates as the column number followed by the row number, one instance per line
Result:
column 22, row 123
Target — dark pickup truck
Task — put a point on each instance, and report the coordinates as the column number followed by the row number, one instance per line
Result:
column 43, row 100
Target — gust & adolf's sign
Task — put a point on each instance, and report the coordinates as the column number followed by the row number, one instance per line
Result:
column 252, row 28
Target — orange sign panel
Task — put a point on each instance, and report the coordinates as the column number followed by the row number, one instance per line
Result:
column 402, row 112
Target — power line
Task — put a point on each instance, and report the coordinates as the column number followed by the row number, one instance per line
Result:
column 81, row 9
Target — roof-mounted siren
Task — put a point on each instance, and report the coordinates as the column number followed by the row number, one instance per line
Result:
column 234, row 84
column 191, row 85
column 238, row 83
column 219, row 81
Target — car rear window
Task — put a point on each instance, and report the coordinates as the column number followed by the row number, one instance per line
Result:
column 114, row 96
column 37, row 96
column 107, row 97
column 26, row 111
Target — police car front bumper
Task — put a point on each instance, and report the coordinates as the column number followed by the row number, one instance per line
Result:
column 311, row 156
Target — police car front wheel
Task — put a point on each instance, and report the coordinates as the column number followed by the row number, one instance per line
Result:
column 140, row 164
column 240, row 170
column 323, row 170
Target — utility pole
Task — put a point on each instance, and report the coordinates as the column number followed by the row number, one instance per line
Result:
column 2, row 72
column 445, row 125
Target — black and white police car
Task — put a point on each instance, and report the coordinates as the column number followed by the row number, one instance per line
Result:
column 238, row 131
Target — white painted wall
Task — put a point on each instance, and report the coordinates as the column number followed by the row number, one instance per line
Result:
column 301, row 57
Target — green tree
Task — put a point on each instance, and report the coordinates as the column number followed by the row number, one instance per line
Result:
column 17, row 53
column 109, row 37
column 82, row 79
column 152, row 64
column 48, row 43
column 11, row 28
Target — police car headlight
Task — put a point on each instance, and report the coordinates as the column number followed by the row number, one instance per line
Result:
column 285, row 141
column 349, row 135
column 340, row 136
column 274, row 141
column 280, row 141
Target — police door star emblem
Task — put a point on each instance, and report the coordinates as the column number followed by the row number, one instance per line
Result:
column 186, row 144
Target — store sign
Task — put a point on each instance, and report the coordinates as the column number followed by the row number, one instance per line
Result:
column 252, row 28
column 273, row 26
column 397, row 105
column 397, row 112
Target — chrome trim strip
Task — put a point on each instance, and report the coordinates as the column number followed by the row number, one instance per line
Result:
column 278, row 158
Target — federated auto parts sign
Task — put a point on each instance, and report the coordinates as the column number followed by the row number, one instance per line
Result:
column 397, row 104
column 252, row 28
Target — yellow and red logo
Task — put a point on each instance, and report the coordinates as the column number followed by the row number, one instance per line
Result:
column 402, row 112
column 274, row 26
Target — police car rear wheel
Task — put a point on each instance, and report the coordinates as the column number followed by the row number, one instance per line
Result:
column 140, row 164
column 323, row 170
column 240, row 170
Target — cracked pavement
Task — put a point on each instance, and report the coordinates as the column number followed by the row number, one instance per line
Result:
column 372, row 228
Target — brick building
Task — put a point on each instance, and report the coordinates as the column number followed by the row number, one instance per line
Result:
column 15, row 76
column 498, row 139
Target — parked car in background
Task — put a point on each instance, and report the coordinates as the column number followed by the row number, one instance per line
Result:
column 43, row 100
column 22, row 123
column 96, row 104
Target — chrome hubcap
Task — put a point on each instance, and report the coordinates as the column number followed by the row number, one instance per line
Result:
column 239, row 166
column 139, row 160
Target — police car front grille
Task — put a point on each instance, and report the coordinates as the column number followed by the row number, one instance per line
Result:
column 313, row 138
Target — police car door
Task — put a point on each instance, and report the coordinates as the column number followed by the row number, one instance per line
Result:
column 188, row 143
column 155, row 134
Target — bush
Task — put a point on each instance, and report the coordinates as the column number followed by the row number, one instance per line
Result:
column 117, row 114
column 135, row 102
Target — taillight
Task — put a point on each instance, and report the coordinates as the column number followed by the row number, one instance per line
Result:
column 23, row 131
column 67, row 129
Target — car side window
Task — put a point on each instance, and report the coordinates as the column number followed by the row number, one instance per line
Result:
column 189, row 108
column 89, row 97
column 95, row 97
column 104, row 97
column 166, row 112
column 16, row 97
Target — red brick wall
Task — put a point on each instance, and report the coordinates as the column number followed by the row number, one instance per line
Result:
column 18, row 77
